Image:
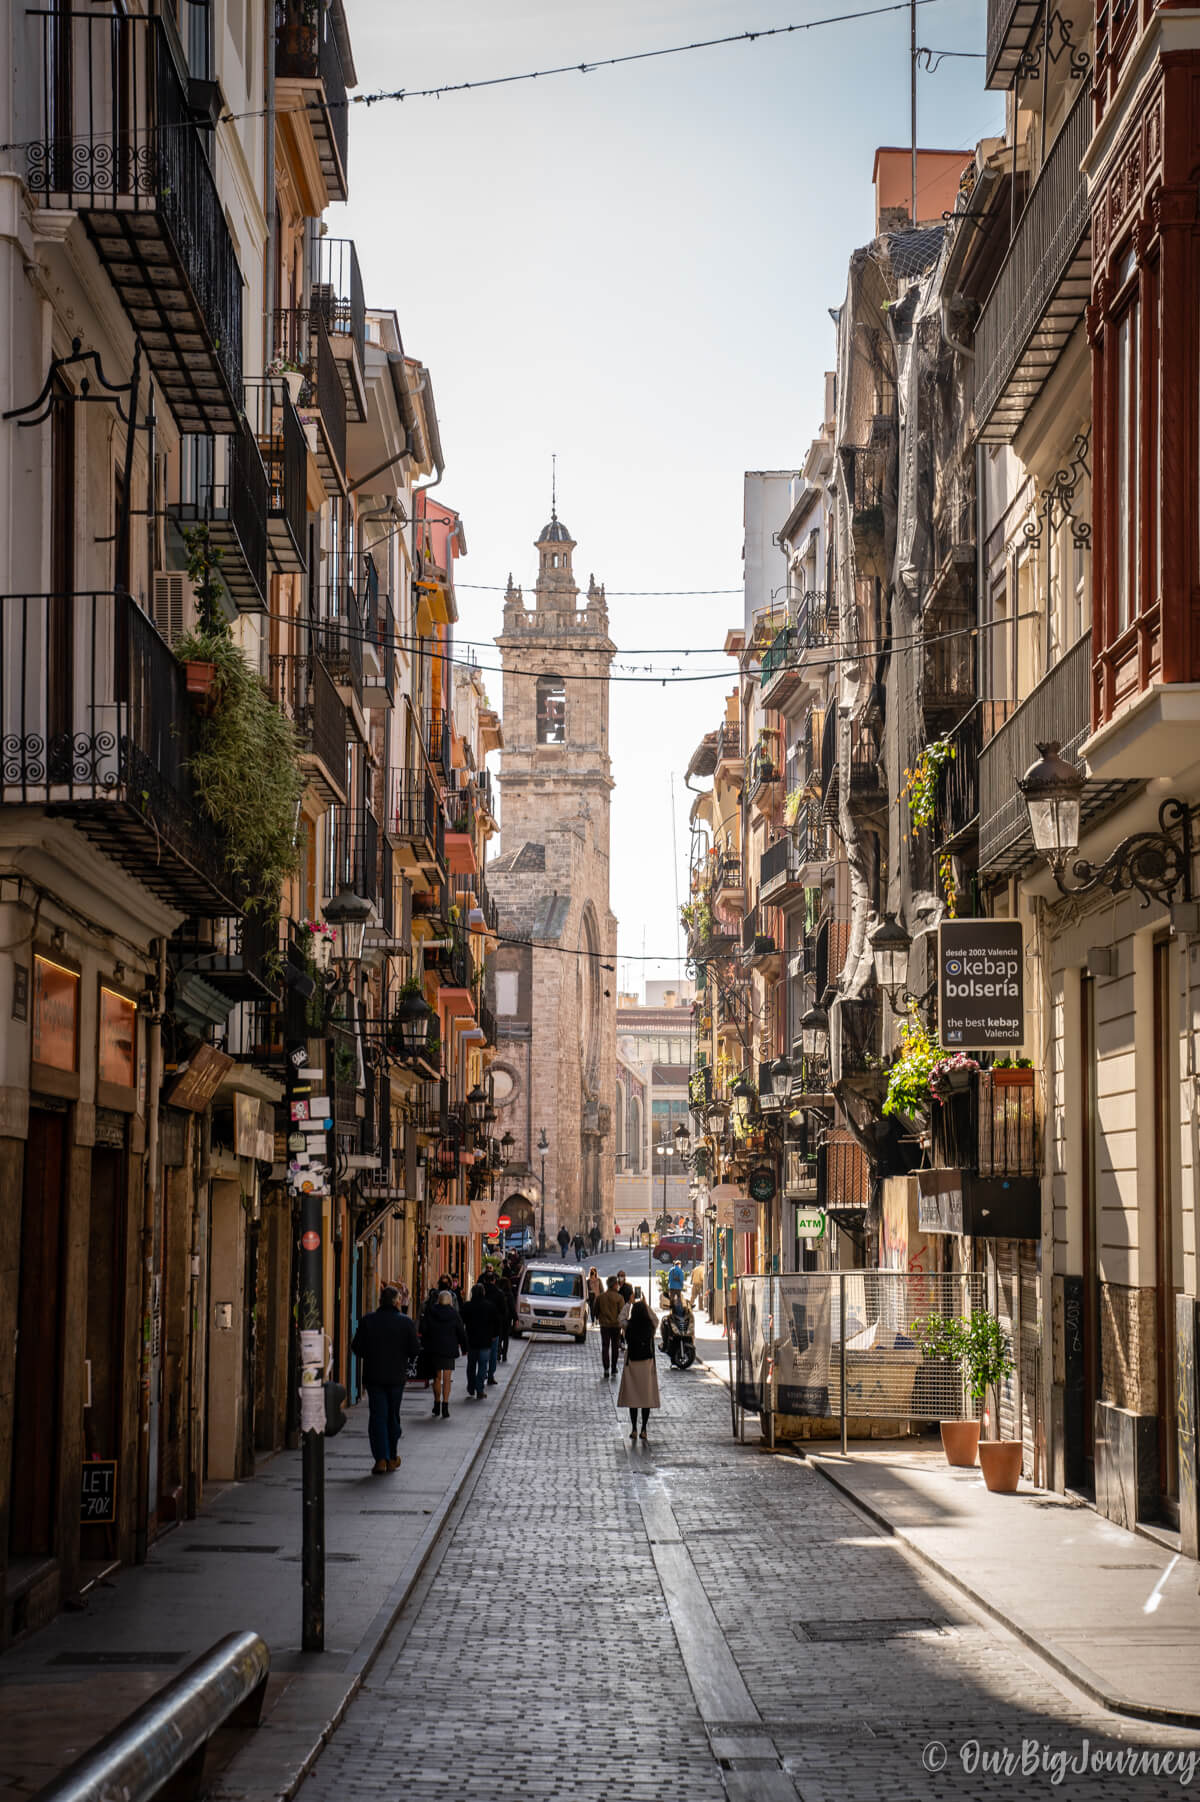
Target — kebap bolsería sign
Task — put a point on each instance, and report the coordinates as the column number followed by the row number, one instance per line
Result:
column 981, row 983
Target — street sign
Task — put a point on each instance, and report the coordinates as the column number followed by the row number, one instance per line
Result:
column 504, row 1221
column 810, row 1223
column 981, row 987
column 761, row 1186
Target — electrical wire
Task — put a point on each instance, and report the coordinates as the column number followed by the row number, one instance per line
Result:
column 587, row 67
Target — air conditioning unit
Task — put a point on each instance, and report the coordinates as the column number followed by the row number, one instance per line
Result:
column 173, row 604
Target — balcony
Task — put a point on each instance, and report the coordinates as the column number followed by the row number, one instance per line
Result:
column 865, row 473
column 97, row 728
column 760, row 941
column 338, row 636
column 337, row 294
column 439, row 744
column 785, row 662
column 487, row 1022
column 731, row 1013
column 1010, row 26
column 120, row 144
column 461, row 855
column 310, row 83
column 304, row 689
column 1058, row 708
column 354, row 860
column 416, row 825
column 729, row 755
column 989, row 1131
column 729, row 882
column 800, row 1175
column 277, row 431
column 236, row 960
column 1044, row 284
column 793, row 863
column 379, row 643
column 949, row 683
column 302, row 337
column 956, row 806
column 220, row 484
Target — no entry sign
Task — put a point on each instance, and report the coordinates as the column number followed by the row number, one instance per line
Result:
column 504, row 1221
column 981, row 983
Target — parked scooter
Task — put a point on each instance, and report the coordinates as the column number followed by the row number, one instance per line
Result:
column 677, row 1333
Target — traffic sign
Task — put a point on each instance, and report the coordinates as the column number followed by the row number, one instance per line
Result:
column 504, row 1221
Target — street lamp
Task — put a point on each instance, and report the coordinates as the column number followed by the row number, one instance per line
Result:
column 506, row 1150
column 890, row 946
column 349, row 913
column 412, row 1016
column 477, row 1105
column 1157, row 864
column 814, row 1032
column 781, row 1077
column 543, row 1146
column 743, row 1098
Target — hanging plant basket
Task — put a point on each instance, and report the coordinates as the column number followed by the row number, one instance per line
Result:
column 1010, row 1078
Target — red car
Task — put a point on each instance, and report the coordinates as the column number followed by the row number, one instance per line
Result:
column 688, row 1248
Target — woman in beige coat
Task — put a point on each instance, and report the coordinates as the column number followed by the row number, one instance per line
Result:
column 639, row 1379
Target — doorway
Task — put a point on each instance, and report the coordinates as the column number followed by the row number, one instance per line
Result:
column 1166, row 1237
column 37, row 1389
column 105, row 1328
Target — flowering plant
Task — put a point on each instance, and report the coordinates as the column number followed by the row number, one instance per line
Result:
column 320, row 929
column 909, row 1078
column 283, row 366
column 940, row 1074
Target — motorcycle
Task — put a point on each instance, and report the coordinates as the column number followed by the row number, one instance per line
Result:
column 677, row 1339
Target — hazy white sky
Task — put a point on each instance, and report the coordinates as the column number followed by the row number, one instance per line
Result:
column 632, row 268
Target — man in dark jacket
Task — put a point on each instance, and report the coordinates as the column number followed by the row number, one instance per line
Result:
column 386, row 1341
column 608, row 1314
column 564, row 1241
column 499, row 1301
column 483, row 1325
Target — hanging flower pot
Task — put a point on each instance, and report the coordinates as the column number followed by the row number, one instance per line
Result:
column 294, row 381
column 200, row 679
column 1010, row 1077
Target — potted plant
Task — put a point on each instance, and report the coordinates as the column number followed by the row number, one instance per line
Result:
column 979, row 1346
column 951, row 1074
column 1013, row 1073
column 291, row 373
column 908, row 1090
column 319, row 942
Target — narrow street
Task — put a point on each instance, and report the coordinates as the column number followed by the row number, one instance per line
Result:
column 699, row 1618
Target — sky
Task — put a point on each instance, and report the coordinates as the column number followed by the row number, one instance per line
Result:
column 632, row 270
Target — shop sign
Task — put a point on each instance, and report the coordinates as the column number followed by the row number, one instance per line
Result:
column 724, row 1197
column 450, row 1218
column 118, row 1039
column 197, row 1083
column 98, row 1493
column 745, row 1216
column 483, row 1216
column 761, row 1186
column 55, row 1015
column 939, row 1201
column 810, row 1223
column 981, row 986
column 254, row 1128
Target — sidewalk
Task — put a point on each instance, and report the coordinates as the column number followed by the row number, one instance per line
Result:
column 1117, row 1613
column 238, row 1565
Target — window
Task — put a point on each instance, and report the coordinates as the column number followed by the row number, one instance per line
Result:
column 551, row 710
column 634, row 1164
column 1127, row 466
column 506, row 991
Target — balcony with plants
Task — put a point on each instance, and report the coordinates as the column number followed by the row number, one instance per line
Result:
column 303, row 348
column 119, row 142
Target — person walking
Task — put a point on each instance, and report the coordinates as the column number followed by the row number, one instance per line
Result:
column 594, row 1290
column 445, row 1338
column 639, row 1379
column 608, row 1314
column 594, row 1238
column 675, row 1279
column 386, row 1341
column 509, row 1317
column 479, row 1318
column 564, row 1240
column 500, row 1309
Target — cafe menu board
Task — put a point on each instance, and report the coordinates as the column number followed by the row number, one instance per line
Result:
column 118, row 1039
column 55, row 1015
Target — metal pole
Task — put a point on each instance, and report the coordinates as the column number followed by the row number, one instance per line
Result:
column 912, row 63
column 842, row 1352
column 312, row 1439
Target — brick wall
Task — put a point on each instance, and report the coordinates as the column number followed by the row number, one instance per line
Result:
column 1127, row 1368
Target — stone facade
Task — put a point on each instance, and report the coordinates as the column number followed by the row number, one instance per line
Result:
column 555, row 1000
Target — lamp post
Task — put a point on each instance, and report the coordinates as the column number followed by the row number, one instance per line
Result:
column 349, row 913
column 543, row 1146
column 890, row 947
column 1157, row 864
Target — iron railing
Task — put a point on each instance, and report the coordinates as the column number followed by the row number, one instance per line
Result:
column 303, row 687
column 1009, row 24
column 95, row 723
column 729, row 742
column 354, row 852
column 221, row 485
column 306, row 50
column 337, row 291
column 414, row 813
column 956, row 805
column 1047, row 238
column 338, row 636
column 119, row 142
column 302, row 337
column 438, row 741
column 279, row 435
column 727, row 873
column 990, row 1126
column 1059, row 708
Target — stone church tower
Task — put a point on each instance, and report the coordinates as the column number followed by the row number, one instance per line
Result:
column 555, row 999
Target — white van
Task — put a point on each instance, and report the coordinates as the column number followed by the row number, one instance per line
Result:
column 551, row 1299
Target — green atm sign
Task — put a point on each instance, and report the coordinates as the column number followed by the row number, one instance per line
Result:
column 810, row 1223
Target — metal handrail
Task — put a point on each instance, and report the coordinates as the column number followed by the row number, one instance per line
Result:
column 166, row 1737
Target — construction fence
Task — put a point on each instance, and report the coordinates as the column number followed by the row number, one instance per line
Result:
column 838, row 1344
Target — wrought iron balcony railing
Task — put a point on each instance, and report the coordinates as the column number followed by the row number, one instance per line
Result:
column 96, row 726
column 415, row 818
column 118, row 142
column 353, row 853
column 338, row 636
column 307, row 58
column 219, row 484
column 1058, row 708
column 1038, row 298
column 438, row 742
column 277, row 430
column 302, row 337
column 303, row 687
column 1010, row 25
column 337, row 294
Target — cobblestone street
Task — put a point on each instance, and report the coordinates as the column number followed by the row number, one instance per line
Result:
column 701, row 1618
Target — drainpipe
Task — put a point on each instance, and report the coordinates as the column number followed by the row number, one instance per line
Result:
column 149, row 1214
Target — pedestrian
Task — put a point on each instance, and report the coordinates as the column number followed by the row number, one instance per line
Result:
column 594, row 1239
column 639, row 1379
column 445, row 1336
column 675, row 1279
column 608, row 1314
column 386, row 1341
column 482, row 1324
column 594, row 1288
column 500, row 1310
column 564, row 1240
column 508, row 1315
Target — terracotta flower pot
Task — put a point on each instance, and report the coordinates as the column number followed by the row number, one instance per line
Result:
column 200, row 677
column 1012, row 1079
column 1000, row 1461
column 960, row 1441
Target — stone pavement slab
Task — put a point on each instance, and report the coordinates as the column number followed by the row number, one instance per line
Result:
column 237, row 1565
column 1118, row 1613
